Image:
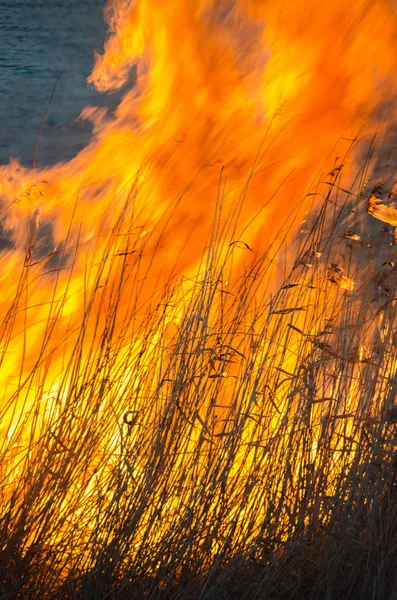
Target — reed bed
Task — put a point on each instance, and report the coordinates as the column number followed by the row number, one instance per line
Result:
column 230, row 436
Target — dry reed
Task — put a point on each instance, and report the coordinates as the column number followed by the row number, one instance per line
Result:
column 242, row 446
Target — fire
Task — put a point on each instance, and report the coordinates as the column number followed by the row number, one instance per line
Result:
column 150, row 263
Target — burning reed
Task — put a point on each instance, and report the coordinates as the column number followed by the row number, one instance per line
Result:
column 198, row 338
column 222, row 438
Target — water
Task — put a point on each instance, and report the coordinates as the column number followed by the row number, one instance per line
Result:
column 38, row 40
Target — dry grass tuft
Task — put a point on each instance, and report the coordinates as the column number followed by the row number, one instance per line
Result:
column 242, row 446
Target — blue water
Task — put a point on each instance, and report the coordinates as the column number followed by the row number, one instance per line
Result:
column 38, row 40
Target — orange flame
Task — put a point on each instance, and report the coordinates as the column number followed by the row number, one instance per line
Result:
column 237, row 110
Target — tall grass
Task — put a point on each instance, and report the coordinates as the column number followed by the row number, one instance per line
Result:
column 230, row 437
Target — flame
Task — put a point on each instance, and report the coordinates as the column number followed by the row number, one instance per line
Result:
column 380, row 211
column 230, row 116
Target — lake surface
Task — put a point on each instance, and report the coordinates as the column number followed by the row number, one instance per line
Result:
column 39, row 39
